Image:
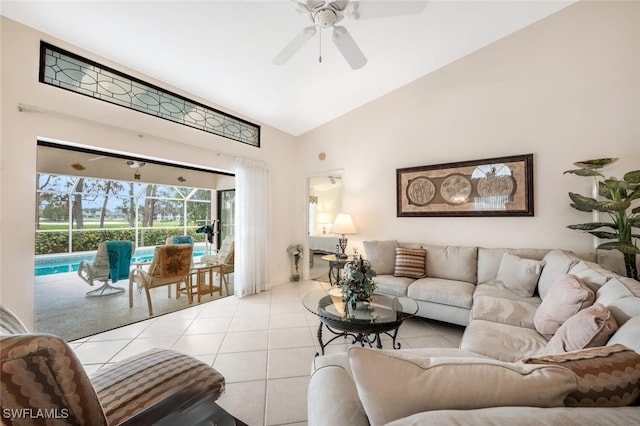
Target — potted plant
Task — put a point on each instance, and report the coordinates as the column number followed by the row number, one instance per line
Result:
column 617, row 195
column 295, row 250
column 356, row 282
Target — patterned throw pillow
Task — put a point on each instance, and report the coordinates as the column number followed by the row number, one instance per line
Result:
column 608, row 376
column 410, row 263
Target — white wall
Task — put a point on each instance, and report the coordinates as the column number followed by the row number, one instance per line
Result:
column 78, row 119
column 564, row 89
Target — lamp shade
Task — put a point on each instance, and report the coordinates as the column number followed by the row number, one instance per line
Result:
column 343, row 224
column 324, row 218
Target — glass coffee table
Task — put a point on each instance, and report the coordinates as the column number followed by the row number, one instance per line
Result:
column 364, row 324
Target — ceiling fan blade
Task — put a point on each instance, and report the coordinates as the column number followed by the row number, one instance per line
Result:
column 348, row 47
column 309, row 4
column 385, row 9
column 339, row 4
column 294, row 45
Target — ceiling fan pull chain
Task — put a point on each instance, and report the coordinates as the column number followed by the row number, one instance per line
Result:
column 320, row 46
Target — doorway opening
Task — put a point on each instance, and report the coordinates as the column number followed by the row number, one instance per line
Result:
column 85, row 197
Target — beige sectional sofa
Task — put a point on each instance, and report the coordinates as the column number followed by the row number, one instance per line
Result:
column 506, row 371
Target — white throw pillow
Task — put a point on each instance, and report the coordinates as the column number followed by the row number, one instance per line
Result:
column 518, row 274
column 394, row 385
column 381, row 255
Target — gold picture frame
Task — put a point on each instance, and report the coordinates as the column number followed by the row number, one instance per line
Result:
column 501, row 186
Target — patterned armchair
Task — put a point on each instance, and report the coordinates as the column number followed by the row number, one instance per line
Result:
column 40, row 377
column 171, row 264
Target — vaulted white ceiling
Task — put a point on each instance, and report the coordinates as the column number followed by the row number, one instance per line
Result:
column 222, row 51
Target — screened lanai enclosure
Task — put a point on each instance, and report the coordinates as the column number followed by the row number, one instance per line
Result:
column 86, row 198
column 76, row 213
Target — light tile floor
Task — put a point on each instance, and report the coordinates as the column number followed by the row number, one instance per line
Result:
column 263, row 345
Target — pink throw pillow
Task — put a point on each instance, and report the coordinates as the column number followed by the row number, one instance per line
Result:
column 588, row 328
column 567, row 296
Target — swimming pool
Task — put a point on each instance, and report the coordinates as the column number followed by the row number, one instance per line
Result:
column 49, row 264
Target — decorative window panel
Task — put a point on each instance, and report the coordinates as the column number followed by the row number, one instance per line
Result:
column 69, row 71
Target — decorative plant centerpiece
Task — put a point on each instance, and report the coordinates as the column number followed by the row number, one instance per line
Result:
column 295, row 250
column 618, row 195
column 357, row 281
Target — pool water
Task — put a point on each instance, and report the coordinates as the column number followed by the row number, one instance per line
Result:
column 70, row 262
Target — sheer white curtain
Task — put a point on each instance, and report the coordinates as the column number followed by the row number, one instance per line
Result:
column 252, row 227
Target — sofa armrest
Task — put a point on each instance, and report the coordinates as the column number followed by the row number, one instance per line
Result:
column 333, row 399
column 42, row 378
column 155, row 377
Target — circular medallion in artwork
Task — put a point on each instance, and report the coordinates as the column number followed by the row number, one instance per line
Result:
column 495, row 186
column 456, row 189
column 420, row 191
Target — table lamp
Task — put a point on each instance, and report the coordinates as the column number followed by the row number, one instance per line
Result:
column 343, row 225
column 324, row 220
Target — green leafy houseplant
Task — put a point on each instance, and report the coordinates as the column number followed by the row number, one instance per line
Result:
column 618, row 195
column 356, row 282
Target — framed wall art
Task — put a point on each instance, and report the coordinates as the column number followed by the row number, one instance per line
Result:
column 491, row 187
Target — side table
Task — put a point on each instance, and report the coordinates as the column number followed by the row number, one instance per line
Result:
column 335, row 266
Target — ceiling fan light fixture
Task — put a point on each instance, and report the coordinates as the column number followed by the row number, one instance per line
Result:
column 134, row 164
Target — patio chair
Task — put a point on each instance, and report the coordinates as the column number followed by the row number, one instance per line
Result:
column 223, row 261
column 171, row 264
column 112, row 262
column 179, row 239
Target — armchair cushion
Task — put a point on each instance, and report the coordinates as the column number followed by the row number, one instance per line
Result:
column 151, row 377
column 40, row 371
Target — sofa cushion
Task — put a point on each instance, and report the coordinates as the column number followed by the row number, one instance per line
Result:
column 394, row 286
column 395, row 385
column 489, row 260
column 505, row 311
column 519, row 274
column 498, row 289
column 557, row 262
column 501, row 341
column 608, row 376
column 447, row 292
column 452, row 263
column 592, row 274
column 567, row 296
column 410, row 262
column 621, row 295
column 381, row 255
column 524, row 416
column 628, row 334
column 588, row 328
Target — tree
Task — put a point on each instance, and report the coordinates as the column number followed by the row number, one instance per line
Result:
column 76, row 207
column 149, row 205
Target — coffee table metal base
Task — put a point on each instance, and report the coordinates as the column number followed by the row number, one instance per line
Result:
column 360, row 333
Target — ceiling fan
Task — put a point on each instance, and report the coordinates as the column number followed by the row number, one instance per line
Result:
column 326, row 14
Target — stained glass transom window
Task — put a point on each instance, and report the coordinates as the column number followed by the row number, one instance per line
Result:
column 69, row 71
